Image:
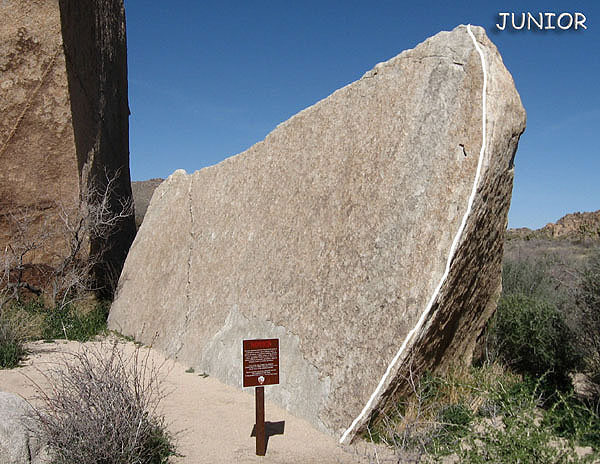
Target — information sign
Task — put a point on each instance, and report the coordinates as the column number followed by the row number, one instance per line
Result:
column 261, row 362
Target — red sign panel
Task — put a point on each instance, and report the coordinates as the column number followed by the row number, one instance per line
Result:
column 261, row 362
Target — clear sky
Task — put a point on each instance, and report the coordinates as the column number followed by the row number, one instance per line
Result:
column 209, row 79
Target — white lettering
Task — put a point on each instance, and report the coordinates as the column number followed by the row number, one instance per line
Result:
column 531, row 18
column 549, row 17
column 541, row 20
column 522, row 21
column 503, row 16
column 580, row 20
column 563, row 15
column 503, row 20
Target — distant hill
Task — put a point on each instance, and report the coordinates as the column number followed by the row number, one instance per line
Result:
column 573, row 227
column 142, row 193
column 567, row 243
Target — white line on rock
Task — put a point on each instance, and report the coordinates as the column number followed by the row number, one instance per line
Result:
column 419, row 324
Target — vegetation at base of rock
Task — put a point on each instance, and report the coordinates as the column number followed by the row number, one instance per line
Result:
column 24, row 322
column 488, row 414
column 74, row 323
column 530, row 335
column 548, row 321
column 42, row 301
column 12, row 344
column 518, row 403
column 102, row 408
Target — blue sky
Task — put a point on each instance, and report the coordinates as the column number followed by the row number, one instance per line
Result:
column 209, row 79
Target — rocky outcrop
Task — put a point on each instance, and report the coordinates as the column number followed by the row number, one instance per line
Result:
column 19, row 444
column 64, row 118
column 365, row 233
column 575, row 226
column 142, row 193
column 582, row 227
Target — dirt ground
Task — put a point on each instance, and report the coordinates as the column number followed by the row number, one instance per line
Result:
column 213, row 421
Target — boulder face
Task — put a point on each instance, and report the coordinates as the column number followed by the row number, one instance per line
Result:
column 19, row 434
column 38, row 162
column 365, row 233
column 142, row 193
column 64, row 117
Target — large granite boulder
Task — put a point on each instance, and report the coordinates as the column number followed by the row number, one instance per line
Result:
column 366, row 233
column 19, row 442
column 63, row 120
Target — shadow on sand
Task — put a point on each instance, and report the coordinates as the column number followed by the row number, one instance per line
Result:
column 271, row 428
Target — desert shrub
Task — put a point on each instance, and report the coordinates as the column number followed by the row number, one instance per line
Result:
column 518, row 440
column 24, row 321
column 83, row 265
column 590, row 284
column 485, row 414
column 574, row 419
column 101, row 409
column 440, row 410
column 529, row 277
column 518, row 404
column 74, row 322
column 530, row 335
column 549, row 278
column 453, row 424
column 81, row 320
column 590, row 316
column 12, row 344
column 17, row 326
column 533, row 329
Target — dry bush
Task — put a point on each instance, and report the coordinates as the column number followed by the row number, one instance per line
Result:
column 27, row 239
column 102, row 409
column 94, row 220
column 97, row 215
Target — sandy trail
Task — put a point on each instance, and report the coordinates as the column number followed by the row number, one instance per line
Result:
column 214, row 420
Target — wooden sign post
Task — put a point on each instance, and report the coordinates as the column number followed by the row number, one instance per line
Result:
column 261, row 437
column 261, row 367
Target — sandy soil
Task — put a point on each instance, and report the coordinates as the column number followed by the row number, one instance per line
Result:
column 214, row 421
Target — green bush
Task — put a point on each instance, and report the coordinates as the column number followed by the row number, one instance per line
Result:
column 17, row 326
column 590, row 283
column 486, row 414
column 530, row 277
column 519, row 440
column 454, row 421
column 12, row 344
column 590, row 316
column 26, row 321
column 571, row 418
column 73, row 323
column 530, row 335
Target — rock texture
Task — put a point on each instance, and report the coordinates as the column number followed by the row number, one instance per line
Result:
column 142, row 193
column 64, row 115
column 18, row 443
column 335, row 233
column 38, row 163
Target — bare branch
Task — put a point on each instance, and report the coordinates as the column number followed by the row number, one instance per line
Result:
column 97, row 215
